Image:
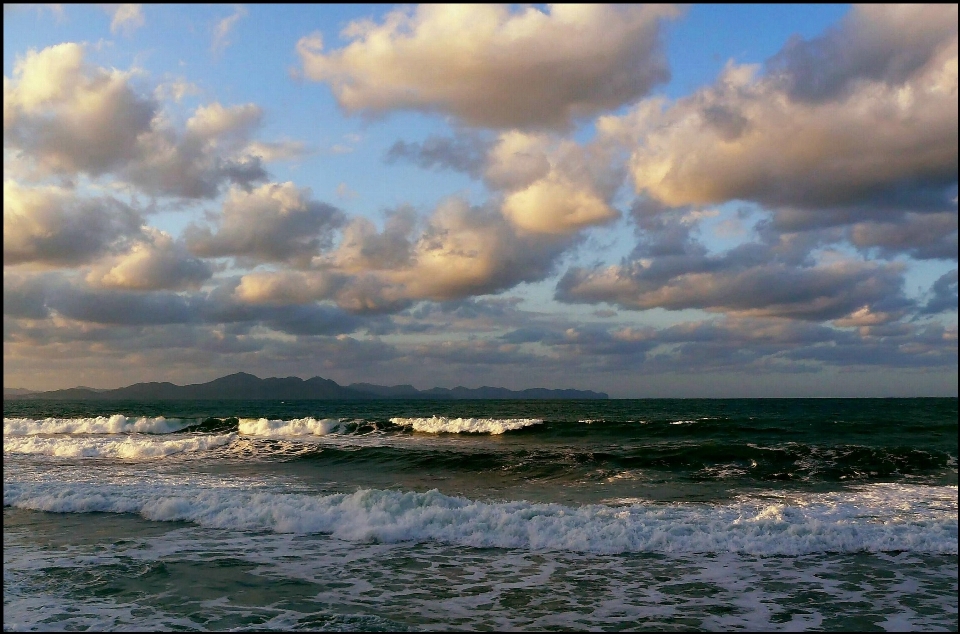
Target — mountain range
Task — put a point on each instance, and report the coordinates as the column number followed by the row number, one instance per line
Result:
column 243, row 386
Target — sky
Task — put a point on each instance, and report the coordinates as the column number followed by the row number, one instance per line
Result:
column 645, row 200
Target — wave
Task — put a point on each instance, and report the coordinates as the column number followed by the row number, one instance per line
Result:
column 873, row 518
column 132, row 448
column 116, row 424
column 442, row 424
column 286, row 428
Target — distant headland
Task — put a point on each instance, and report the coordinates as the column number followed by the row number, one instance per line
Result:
column 243, row 386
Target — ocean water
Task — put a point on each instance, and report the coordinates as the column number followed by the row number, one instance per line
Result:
column 773, row 514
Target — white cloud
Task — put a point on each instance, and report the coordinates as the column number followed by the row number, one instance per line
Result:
column 126, row 17
column 459, row 252
column 176, row 90
column 222, row 31
column 492, row 66
column 65, row 117
column 71, row 117
column 271, row 151
column 276, row 222
column 882, row 131
column 50, row 226
column 155, row 262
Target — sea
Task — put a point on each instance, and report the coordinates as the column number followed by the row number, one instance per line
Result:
column 386, row 515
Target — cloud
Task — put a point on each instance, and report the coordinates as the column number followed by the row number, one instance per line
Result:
column 344, row 192
column 65, row 117
column 270, row 152
column 175, row 90
column 556, row 206
column 777, row 277
column 217, row 124
column 461, row 251
column 549, row 185
column 155, row 262
column 463, row 153
column 491, row 66
column 57, row 296
column 873, row 43
column 864, row 115
column 55, row 9
column 51, row 226
column 814, row 293
column 126, row 17
column 944, row 292
column 276, row 222
column 222, row 31
column 71, row 117
column 213, row 150
column 921, row 236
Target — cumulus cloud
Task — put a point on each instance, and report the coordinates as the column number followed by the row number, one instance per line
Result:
column 459, row 252
column 67, row 117
column 213, row 150
column 492, row 66
column 921, row 236
column 553, row 186
column 816, row 293
column 944, row 292
column 864, row 114
column 217, row 124
column 670, row 269
column 71, row 117
column 51, row 226
column 153, row 263
column 548, row 185
column 60, row 297
column 276, row 222
column 882, row 43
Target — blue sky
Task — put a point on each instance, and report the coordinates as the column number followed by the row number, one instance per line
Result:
column 746, row 200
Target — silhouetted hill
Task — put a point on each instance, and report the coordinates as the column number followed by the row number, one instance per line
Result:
column 16, row 391
column 243, row 386
column 459, row 392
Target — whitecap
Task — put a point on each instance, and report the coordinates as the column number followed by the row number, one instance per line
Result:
column 287, row 428
column 116, row 424
column 873, row 518
column 130, row 448
column 442, row 424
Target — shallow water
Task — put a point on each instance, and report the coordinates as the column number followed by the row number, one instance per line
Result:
column 615, row 515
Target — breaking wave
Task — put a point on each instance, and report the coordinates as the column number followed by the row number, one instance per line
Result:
column 442, row 424
column 116, row 424
column 131, row 448
column 873, row 518
column 285, row 428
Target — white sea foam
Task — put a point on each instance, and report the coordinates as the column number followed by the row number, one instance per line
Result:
column 116, row 424
column 883, row 517
column 287, row 428
column 130, row 448
column 442, row 424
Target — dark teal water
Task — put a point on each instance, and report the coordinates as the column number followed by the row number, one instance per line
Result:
column 621, row 514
